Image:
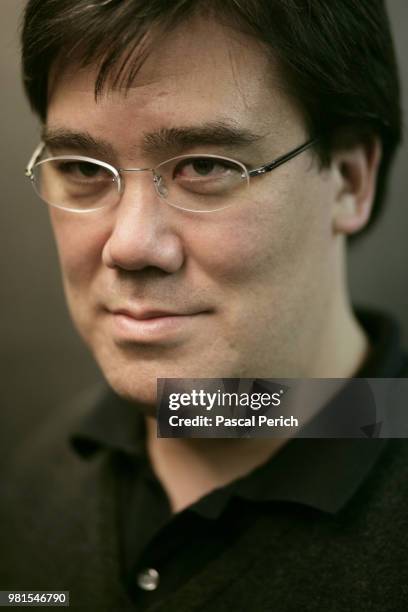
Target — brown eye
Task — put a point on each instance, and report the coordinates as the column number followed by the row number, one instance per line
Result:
column 80, row 169
column 204, row 167
column 87, row 169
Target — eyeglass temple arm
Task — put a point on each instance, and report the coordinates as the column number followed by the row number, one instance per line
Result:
column 33, row 159
column 283, row 159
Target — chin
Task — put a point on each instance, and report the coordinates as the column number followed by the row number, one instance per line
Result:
column 132, row 374
column 141, row 391
column 129, row 380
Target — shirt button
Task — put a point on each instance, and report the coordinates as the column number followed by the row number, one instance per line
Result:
column 148, row 579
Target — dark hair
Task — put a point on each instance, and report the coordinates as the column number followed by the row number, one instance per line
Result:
column 336, row 57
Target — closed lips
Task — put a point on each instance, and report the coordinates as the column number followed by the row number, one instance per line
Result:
column 153, row 314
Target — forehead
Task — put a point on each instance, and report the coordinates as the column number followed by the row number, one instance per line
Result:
column 202, row 71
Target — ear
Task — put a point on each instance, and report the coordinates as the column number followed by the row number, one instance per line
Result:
column 355, row 168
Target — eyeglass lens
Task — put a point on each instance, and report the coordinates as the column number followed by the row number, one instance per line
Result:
column 197, row 183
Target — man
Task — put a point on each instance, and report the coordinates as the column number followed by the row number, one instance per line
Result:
column 204, row 164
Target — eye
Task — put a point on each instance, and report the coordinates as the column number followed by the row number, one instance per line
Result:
column 205, row 167
column 83, row 170
column 88, row 169
column 201, row 175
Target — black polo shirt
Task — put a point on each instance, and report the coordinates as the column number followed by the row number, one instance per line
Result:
column 161, row 550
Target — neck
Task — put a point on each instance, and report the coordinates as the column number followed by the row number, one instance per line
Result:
column 189, row 468
column 342, row 345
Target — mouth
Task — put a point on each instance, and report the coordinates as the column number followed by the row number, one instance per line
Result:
column 151, row 325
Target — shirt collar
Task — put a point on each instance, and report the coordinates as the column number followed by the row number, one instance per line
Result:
column 318, row 473
column 112, row 423
column 386, row 358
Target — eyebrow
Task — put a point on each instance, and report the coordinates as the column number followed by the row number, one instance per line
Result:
column 219, row 133
column 58, row 139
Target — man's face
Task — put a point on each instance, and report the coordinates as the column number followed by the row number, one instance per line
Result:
column 249, row 284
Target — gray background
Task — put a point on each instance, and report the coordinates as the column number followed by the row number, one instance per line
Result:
column 42, row 360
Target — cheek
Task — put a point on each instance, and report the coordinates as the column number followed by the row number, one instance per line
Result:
column 267, row 239
column 79, row 240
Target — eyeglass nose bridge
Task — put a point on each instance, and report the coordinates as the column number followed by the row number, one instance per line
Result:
column 135, row 169
column 158, row 182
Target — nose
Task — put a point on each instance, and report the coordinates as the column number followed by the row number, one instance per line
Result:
column 144, row 229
